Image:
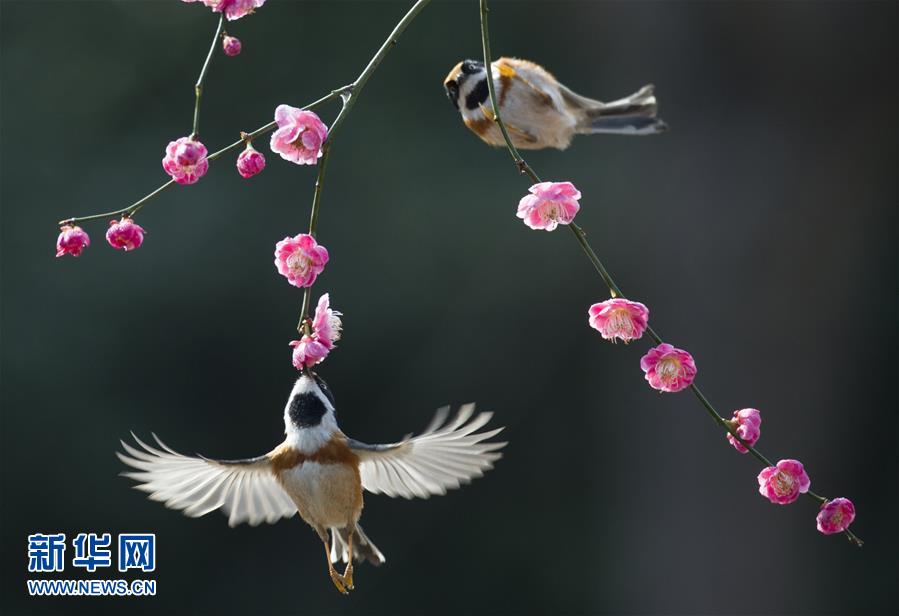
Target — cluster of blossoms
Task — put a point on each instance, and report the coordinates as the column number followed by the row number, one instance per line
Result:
column 299, row 139
column 124, row 234
column 669, row 369
column 325, row 332
column 232, row 9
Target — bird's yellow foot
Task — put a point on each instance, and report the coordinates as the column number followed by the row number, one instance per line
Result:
column 339, row 582
column 348, row 576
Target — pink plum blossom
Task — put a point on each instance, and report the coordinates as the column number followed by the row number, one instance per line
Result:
column 836, row 516
column 325, row 331
column 308, row 352
column 233, row 9
column 550, row 204
column 300, row 135
column 326, row 324
column 668, row 368
column 124, row 234
column 747, row 423
column 185, row 160
column 301, row 259
column 231, row 45
column 782, row 484
column 619, row 319
column 250, row 162
column 72, row 240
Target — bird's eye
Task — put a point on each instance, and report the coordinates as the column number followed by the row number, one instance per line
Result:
column 471, row 66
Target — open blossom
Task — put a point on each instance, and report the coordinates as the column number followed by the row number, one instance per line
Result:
column 619, row 319
column 72, row 240
column 233, row 9
column 782, row 484
column 124, row 234
column 668, row 368
column 836, row 516
column 549, row 205
column 250, row 162
column 326, row 324
column 308, row 352
column 231, row 45
column 747, row 423
column 300, row 259
column 300, row 135
column 313, row 348
column 185, row 160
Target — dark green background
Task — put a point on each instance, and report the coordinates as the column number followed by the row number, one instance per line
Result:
column 760, row 231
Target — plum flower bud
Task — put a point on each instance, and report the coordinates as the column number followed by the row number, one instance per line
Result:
column 250, row 162
column 300, row 259
column 619, row 319
column 747, row 423
column 233, row 9
column 231, row 45
column 308, row 352
column 300, row 135
column 326, row 324
column 72, row 240
column 668, row 368
column 782, row 484
column 124, row 234
column 185, row 160
column 549, row 205
column 836, row 516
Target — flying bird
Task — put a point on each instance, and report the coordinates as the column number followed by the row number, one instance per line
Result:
column 538, row 111
column 319, row 472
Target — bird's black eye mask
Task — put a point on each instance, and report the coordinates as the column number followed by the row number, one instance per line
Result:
column 470, row 67
column 325, row 390
column 452, row 92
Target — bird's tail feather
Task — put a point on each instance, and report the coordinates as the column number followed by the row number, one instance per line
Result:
column 632, row 115
column 363, row 548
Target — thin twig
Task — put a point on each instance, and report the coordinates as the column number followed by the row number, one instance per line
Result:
column 349, row 95
column 198, row 87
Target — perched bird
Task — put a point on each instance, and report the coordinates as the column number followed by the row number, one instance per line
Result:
column 538, row 111
column 319, row 472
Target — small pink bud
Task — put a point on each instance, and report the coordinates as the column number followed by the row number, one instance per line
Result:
column 549, row 205
column 308, row 352
column 72, row 240
column 300, row 135
column 619, row 319
column 836, row 516
column 185, row 160
column 668, row 368
column 300, row 259
column 231, row 45
column 782, row 484
column 250, row 162
column 747, row 423
column 124, row 234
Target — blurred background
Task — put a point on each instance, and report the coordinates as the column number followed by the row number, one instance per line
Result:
column 760, row 231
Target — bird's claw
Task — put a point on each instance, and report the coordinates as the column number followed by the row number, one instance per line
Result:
column 348, row 577
column 340, row 582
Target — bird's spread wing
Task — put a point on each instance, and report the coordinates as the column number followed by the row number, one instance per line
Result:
column 245, row 490
column 441, row 458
